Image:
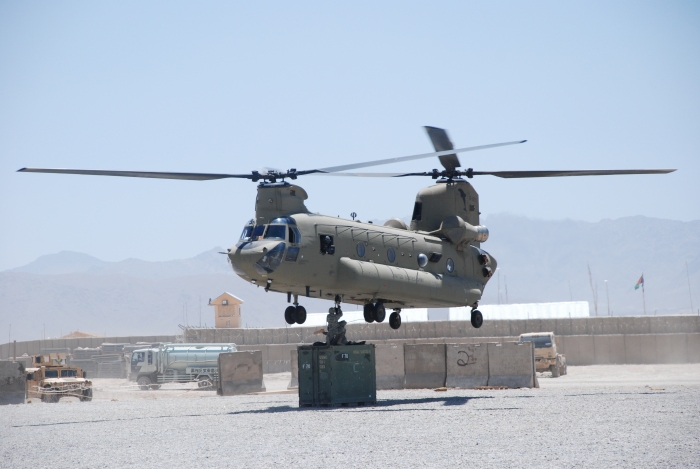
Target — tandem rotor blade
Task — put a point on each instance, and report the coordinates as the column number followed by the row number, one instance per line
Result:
column 442, row 142
column 137, row 174
column 545, row 174
column 334, row 169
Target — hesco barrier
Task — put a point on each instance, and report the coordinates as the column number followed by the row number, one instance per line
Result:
column 467, row 365
column 13, row 383
column 512, row 364
column 240, row 373
column 424, row 366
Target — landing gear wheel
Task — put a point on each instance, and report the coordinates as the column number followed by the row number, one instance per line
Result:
column 379, row 312
column 289, row 314
column 300, row 315
column 477, row 319
column 369, row 312
column 394, row 320
column 144, row 383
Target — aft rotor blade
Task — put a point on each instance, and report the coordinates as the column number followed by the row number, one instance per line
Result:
column 545, row 174
column 362, row 175
column 333, row 169
column 137, row 174
column 442, row 142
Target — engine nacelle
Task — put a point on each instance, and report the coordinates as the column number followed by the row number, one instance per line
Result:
column 460, row 232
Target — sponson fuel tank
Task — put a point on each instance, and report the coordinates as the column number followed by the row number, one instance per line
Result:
column 442, row 200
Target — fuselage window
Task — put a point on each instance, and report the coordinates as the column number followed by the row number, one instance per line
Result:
column 327, row 246
column 450, row 264
column 361, row 249
column 391, row 255
column 276, row 232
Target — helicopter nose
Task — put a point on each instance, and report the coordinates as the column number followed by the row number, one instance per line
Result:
column 254, row 258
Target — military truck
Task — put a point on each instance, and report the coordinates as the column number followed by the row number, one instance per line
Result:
column 177, row 363
column 546, row 356
column 50, row 378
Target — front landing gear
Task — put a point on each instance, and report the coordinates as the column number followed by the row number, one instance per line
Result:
column 477, row 318
column 295, row 314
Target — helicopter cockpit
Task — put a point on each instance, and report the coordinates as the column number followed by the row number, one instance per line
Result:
column 283, row 228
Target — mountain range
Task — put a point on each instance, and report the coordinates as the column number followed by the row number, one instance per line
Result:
column 539, row 261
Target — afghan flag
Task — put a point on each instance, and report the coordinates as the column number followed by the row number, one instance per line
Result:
column 640, row 282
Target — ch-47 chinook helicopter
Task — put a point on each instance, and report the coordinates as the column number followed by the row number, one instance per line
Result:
column 435, row 262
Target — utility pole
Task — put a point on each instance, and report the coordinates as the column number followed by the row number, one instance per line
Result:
column 689, row 292
column 499, row 285
column 607, row 294
column 505, row 280
column 571, row 295
column 593, row 290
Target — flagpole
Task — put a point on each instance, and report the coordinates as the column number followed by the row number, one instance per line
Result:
column 644, row 301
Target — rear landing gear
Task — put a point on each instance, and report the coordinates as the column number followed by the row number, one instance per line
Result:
column 295, row 314
column 374, row 312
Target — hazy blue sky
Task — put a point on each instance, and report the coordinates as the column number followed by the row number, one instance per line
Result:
column 232, row 87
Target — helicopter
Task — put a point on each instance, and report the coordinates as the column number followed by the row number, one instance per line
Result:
column 435, row 262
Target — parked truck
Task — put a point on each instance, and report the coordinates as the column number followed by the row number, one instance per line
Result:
column 546, row 356
column 50, row 378
column 177, row 363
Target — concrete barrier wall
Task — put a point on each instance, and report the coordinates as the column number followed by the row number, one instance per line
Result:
column 294, row 360
column 511, row 364
column 33, row 347
column 467, row 365
column 389, row 359
column 424, row 366
column 13, row 383
column 458, row 329
column 240, row 373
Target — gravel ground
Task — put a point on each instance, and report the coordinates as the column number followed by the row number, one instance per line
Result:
column 597, row 416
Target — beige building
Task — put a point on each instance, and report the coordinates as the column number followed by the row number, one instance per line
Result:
column 227, row 310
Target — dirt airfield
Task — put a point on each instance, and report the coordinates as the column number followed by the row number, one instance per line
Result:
column 596, row 416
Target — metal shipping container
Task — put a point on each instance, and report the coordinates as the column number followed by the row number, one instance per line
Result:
column 337, row 375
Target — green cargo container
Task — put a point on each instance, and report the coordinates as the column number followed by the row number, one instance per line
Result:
column 337, row 375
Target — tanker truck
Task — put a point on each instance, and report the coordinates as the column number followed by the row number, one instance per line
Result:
column 177, row 363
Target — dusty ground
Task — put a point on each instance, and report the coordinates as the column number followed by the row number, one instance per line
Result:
column 596, row 416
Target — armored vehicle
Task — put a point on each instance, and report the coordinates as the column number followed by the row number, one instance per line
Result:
column 546, row 356
column 50, row 379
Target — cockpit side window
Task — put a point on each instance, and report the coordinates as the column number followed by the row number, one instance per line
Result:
column 276, row 232
column 247, row 232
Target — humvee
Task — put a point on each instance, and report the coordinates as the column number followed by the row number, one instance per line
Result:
column 50, row 378
column 546, row 356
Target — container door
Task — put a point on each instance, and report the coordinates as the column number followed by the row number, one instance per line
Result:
column 306, row 376
column 354, row 375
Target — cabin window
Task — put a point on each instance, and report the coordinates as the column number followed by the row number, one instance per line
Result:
column 276, row 232
column 417, row 210
column 327, row 246
column 51, row 374
column 150, row 358
column 138, row 357
column 361, row 249
column 435, row 256
column 450, row 265
column 391, row 255
column 422, row 260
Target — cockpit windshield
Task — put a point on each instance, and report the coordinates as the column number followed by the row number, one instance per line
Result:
column 276, row 232
column 247, row 231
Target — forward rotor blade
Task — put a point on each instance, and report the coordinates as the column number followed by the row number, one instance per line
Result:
column 333, row 169
column 137, row 174
column 545, row 174
column 442, row 142
column 363, row 175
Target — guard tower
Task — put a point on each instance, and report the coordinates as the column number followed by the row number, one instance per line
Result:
column 227, row 310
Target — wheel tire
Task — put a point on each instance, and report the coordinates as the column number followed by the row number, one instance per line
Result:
column 555, row 371
column 144, row 383
column 300, row 315
column 289, row 314
column 369, row 312
column 394, row 320
column 477, row 319
column 379, row 312
column 87, row 395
